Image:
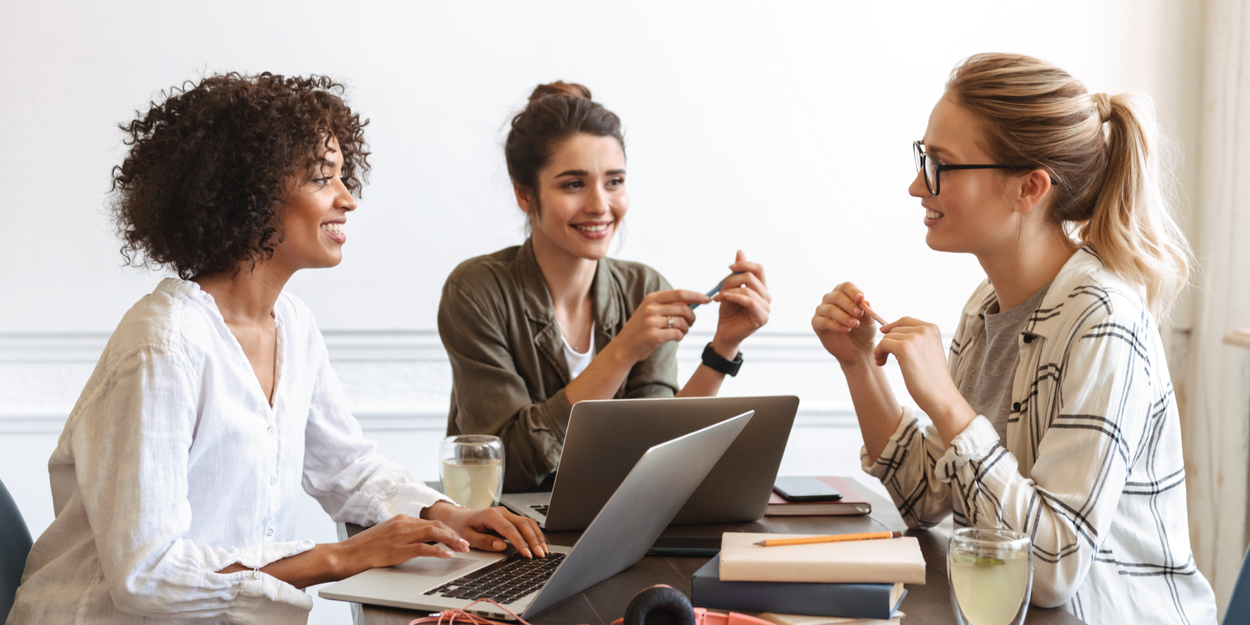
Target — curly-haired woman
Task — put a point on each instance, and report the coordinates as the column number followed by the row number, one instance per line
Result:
column 1054, row 415
column 176, row 478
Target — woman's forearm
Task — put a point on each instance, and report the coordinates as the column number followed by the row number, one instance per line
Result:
column 602, row 377
column 395, row 540
column 876, row 407
column 321, row 564
column 705, row 381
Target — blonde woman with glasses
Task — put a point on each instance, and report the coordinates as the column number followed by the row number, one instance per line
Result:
column 1054, row 413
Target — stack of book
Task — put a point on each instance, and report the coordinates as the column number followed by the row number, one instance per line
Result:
column 852, row 580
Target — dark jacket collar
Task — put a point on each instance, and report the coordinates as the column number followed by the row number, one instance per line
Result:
column 537, row 300
column 539, row 308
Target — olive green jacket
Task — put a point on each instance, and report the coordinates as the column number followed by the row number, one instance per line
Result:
column 499, row 328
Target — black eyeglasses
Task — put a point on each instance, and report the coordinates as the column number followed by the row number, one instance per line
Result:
column 932, row 168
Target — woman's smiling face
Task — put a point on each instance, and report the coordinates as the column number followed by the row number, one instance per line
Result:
column 581, row 198
column 314, row 217
column 972, row 212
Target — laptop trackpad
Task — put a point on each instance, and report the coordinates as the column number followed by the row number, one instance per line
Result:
column 436, row 567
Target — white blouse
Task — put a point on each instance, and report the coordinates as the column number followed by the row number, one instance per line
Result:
column 173, row 465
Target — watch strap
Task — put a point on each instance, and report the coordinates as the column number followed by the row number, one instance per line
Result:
column 716, row 362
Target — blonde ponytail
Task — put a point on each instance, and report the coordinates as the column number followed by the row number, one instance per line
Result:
column 1105, row 153
column 1132, row 227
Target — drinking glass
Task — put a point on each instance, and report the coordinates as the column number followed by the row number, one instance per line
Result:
column 472, row 469
column 991, row 575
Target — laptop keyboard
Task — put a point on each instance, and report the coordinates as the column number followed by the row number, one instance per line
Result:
column 540, row 508
column 504, row 581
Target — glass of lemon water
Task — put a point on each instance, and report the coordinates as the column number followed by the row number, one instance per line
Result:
column 472, row 469
column 991, row 575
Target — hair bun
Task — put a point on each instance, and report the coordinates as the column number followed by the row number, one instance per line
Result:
column 560, row 88
column 1102, row 105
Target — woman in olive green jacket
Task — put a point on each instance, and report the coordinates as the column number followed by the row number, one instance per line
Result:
column 533, row 329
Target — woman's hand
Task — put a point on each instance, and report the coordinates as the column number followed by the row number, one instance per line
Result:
column 398, row 539
column 401, row 538
column 393, row 541
column 744, row 305
column 650, row 325
column 922, row 357
column 482, row 528
column 842, row 325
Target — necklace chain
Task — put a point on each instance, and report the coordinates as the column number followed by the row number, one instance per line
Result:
column 574, row 344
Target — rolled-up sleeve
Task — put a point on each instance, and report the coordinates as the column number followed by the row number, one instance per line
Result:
column 907, row 469
column 1068, row 502
column 656, row 375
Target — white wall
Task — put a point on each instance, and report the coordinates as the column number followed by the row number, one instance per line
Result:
column 783, row 129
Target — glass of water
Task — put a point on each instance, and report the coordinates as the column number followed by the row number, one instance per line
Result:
column 991, row 575
column 472, row 469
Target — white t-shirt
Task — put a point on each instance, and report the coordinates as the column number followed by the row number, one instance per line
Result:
column 173, row 465
column 578, row 361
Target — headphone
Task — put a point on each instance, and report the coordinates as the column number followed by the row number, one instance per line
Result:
column 664, row 605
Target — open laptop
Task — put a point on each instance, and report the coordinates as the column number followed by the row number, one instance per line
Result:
column 605, row 438
column 635, row 515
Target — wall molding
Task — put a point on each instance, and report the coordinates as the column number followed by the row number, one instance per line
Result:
column 394, row 421
column 382, row 346
column 397, row 380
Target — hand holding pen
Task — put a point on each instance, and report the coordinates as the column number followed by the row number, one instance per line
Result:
column 716, row 289
column 744, row 304
column 844, row 323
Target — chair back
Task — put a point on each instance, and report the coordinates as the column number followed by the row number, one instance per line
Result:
column 1239, row 605
column 15, row 545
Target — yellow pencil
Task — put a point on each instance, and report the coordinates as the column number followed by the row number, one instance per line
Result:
column 833, row 538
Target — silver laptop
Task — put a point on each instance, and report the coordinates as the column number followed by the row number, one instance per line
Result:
column 635, row 515
column 605, row 439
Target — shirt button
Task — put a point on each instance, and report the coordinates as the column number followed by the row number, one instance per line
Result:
column 273, row 481
column 269, row 532
column 1016, row 406
column 269, row 431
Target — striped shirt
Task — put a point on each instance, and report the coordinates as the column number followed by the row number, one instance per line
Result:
column 1091, row 468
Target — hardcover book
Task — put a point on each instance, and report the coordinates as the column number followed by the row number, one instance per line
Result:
column 864, row 601
column 882, row 561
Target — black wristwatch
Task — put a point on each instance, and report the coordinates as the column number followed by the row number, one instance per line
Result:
column 716, row 362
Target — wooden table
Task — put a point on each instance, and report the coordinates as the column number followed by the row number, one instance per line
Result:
column 606, row 601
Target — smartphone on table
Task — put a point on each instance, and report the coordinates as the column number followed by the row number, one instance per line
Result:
column 805, row 488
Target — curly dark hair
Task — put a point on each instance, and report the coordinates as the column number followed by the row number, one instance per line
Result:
column 202, row 187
